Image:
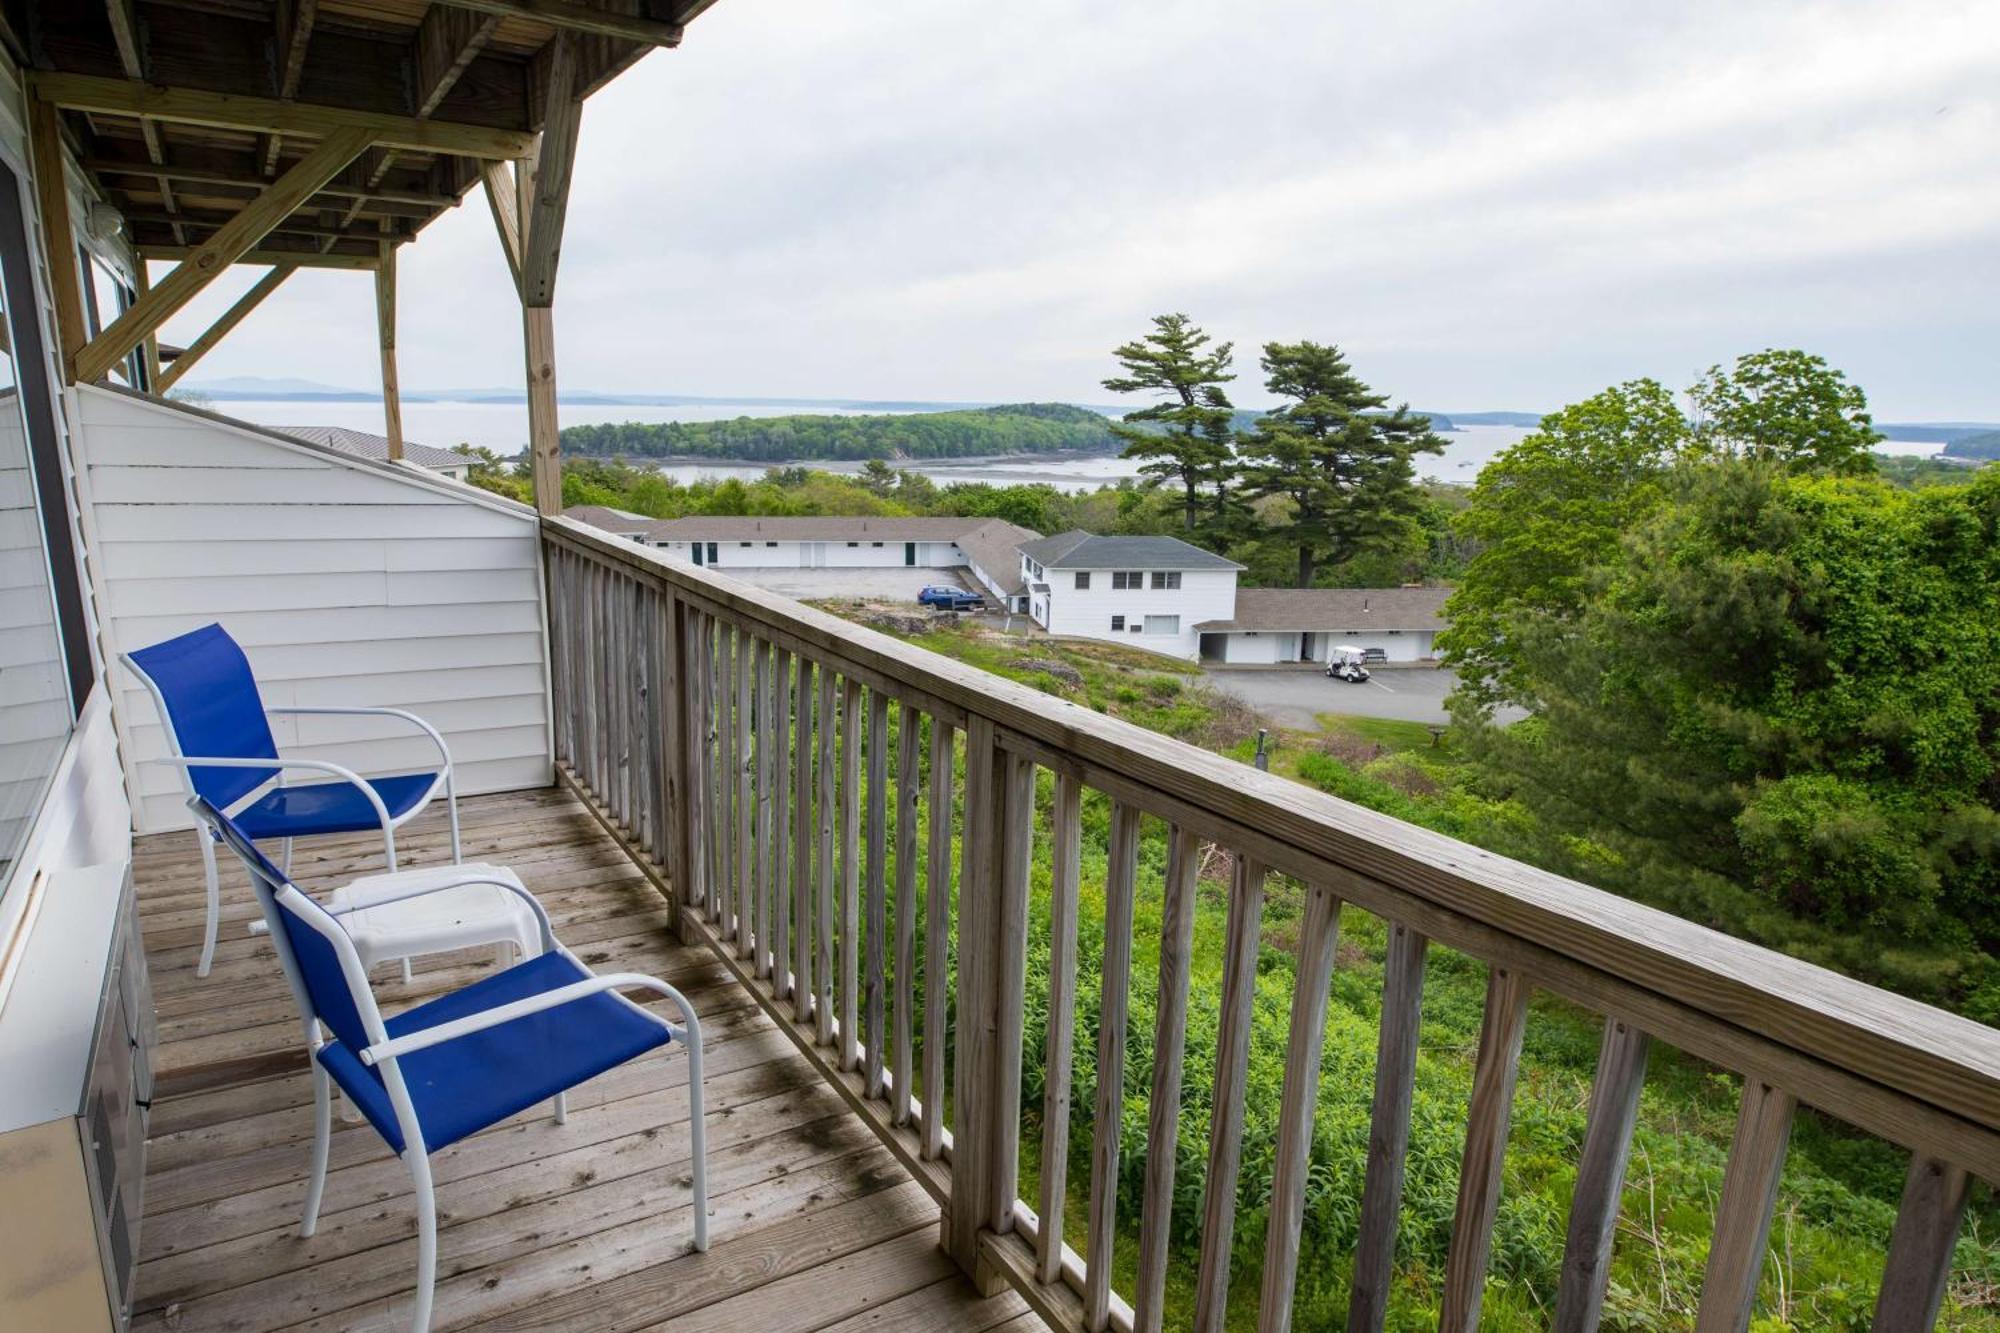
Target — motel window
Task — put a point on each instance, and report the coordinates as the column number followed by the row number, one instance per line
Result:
column 770, row 543
column 1117, row 623
column 1166, row 578
column 875, row 544
column 1082, row 580
column 1163, row 624
column 744, row 543
column 854, row 543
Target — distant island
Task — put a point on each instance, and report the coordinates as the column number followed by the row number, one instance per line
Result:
column 1012, row 428
column 1981, row 448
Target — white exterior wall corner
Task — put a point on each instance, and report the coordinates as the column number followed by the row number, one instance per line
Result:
column 1204, row 594
column 346, row 581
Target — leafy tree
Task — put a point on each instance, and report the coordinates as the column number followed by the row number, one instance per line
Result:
column 1786, row 406
column 1545, row 513
column 1184, row 438
column 1791, row 682
column 1344, row 464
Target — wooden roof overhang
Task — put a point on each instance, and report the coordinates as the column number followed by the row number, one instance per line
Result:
column 315, row 133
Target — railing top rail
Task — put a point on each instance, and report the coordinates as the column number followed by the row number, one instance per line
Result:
column 1918, row 1051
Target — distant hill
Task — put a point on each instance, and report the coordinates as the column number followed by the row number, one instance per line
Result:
column 1011, row 428
column 1934, row 432
column 1982, row 447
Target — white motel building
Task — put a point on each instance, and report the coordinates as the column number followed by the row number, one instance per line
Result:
column 1156, row 593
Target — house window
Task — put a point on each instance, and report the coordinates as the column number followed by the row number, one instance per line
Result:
column 1163, row 624
column 1166, row 578
column 1123, row 580
column 1117, row 623
column 1082, row 580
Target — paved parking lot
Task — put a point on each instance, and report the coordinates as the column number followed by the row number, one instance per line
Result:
column 1294, row 696
column 897, row 584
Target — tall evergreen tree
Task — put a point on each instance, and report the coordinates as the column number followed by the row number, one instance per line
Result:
column 1333, row 451
column 1184, row 438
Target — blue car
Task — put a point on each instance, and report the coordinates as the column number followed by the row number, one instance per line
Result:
column 950, row 599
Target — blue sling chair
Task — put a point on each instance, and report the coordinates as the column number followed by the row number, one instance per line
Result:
column 219, row 732
column 454, row 1065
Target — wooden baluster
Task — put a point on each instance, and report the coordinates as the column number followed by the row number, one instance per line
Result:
column 1113, row 1005
column 1486, row 1122
column 877, row 885
column 1016, row 814
column 1232, row 1066
column 937, row 936
column 1600, row 1177
column 760, row 936
column 725, row 774
column 646, row 721
column 909, row 733
column 823, row 1027
column 587, row 675
column 1066, row 846
column 1156, row 1213
column 746, row 799
column 778, row 959
column 850, row 874
column 802, row 844
column 1389, row 1131
column 1319, row 937
column 684, row 701
column 973, row 1093
column 618, row 694
column 555, row 597
column 1919, row 1266
column 1742, row 1229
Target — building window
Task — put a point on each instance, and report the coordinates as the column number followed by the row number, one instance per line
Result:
column 744, row 543
column 1127, row 580
column 1166, row 578
column 854, row 543
column 1082, row 580
column 770, row 543
column 1163, row 624
column 1117, row 623
column 874, row 543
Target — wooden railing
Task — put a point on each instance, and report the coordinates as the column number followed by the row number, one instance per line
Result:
column 724, row 733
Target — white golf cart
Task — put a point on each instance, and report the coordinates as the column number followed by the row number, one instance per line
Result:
column 1346, row 664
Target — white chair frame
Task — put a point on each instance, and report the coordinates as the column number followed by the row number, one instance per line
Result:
column 184, row 762
column 383, row 1053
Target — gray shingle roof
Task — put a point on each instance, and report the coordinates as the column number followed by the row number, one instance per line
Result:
column 367, row 444
column 1316, row 610
column 1083, row 550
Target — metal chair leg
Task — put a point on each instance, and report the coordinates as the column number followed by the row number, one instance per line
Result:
column 420, row 1175
column 214, row 902
column 285, row 853
column 562, row 1108
column 322, row 1134
column 697, row 1135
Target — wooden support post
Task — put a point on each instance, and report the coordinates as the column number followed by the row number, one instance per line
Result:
column 1600, row 1177
column 501, row 198
column 385, row 330
column 224, row 323
column 1742, row 1229
column 229, row 243
column 52, row 196
column 544, row 432
column 546, row 201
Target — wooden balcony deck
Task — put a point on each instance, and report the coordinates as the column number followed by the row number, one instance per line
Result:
column 577, row 1226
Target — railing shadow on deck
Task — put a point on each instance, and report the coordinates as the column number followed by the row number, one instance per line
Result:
column 722, row 732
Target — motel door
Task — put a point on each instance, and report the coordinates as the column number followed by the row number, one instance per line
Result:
column 909, row 553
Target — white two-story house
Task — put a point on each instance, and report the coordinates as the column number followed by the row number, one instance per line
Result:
column 1149, row 592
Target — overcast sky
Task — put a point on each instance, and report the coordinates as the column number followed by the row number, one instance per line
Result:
column 1488, row 205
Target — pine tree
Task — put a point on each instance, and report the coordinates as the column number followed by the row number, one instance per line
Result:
column 1190, row 443
column 1335, row 452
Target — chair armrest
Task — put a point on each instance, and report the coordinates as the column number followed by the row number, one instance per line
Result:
column 346, row 775
column 436, row 738
column 535, row 1004
column 534, row 903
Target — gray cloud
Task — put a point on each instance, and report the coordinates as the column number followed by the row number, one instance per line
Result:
column 1488, row 205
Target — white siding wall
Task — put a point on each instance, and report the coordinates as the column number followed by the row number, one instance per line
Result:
column 1086, row 613
column 346, row 582
column 763, row 554
column 1262, row 649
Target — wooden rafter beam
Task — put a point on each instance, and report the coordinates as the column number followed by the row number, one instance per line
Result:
column 219, row 330
column 449, row 40
column 294, row 20
column 299, row 258
column 572, row 16
column 427, row 200
column 86, row 92
column 230, row 243
column 124, row 17
column 291, row 226
column 548, row 202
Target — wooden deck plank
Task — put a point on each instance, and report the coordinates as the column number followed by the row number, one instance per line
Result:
column 542, row 1225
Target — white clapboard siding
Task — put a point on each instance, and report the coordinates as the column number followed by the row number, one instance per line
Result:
column 347, row 583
